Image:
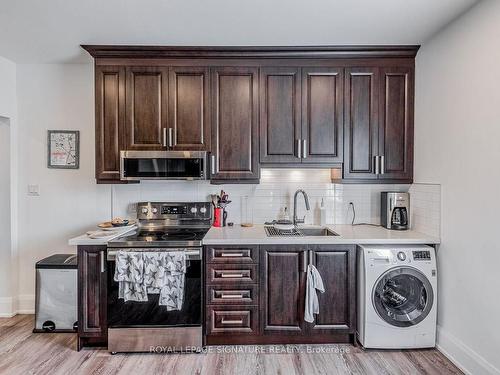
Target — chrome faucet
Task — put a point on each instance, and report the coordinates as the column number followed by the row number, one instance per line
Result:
column 306, row 199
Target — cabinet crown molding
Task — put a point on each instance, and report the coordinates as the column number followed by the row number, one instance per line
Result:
column 344, row 51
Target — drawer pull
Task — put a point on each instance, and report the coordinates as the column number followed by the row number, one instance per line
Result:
column 223, row 321
column 235, row 296
column 232, row 275
column 232, row 255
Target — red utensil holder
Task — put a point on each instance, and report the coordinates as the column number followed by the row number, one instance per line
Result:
column 218, row 212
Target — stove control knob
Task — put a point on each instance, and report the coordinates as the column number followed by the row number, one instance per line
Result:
column 194, row 210
column 203, row 210
column 144, row 210
column 154, row 210
column 401, row 256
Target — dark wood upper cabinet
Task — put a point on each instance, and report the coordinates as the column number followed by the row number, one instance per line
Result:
column 235, row 123
column 109, row 120
column 189, row 114
column 322, row 114
column 361, row 123
column 283, row 289
column 396, row 122
column 315, row 107
column 92, row 294
column 336, row 265
column 280, row 111
column 146, row 103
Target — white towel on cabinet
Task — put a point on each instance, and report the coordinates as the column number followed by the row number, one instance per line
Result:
column 314, row 282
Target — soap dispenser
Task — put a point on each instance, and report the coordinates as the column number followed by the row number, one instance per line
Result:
column 322, row 212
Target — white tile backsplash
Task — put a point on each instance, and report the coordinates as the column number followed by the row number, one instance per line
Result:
column 425, row 215
column 267, row 199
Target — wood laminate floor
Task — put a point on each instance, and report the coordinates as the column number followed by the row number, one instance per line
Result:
column 23, row 352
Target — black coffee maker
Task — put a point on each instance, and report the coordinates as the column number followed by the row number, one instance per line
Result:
column 395, row 210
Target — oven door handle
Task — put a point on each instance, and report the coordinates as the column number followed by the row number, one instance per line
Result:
column 191, row 254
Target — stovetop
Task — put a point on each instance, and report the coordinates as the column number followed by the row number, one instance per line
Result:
column 161, row 237
column 168, row 224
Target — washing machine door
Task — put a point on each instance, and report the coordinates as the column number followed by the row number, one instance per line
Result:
column 403, row 296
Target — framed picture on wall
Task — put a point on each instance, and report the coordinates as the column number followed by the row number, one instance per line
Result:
column 63, row 149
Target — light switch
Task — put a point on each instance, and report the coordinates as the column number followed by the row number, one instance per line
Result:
column 34, row 190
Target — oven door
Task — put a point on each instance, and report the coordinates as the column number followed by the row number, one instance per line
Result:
column 163, row 165
column 150, row 314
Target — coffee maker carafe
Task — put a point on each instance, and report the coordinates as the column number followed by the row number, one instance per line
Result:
column 395, row 210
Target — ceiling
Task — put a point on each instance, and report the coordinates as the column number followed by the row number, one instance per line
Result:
column 50, row 31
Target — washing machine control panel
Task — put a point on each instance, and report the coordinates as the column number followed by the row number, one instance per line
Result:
column 380, row 257
column 421, row 255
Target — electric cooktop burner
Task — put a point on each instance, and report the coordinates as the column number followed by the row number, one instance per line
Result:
column 168, row 224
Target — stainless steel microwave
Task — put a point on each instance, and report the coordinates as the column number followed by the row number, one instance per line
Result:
column 163, row 165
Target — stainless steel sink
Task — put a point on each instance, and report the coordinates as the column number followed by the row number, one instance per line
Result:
column 317, row 232
column 299, row 231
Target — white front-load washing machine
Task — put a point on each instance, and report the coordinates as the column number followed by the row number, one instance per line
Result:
column 397, row 296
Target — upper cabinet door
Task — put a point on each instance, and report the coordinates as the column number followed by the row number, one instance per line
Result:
column 280, row 128
column 396, row 123
column 110, row 117
column 361, row 123
column 189, row 120
column 147, row 101
column 235, row 123
column 322, row 115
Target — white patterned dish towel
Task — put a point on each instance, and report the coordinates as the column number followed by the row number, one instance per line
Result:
column 140, row 273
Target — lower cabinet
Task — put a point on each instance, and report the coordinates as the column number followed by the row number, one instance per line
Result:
column 337, row 308
column 92, row 296
column 282, row 285
column 261, row 299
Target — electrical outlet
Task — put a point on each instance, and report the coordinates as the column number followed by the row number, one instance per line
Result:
column 34, row 190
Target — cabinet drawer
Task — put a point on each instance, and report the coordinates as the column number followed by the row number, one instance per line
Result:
column 232, row 274
column 232, row 319
column 233, row 254
column 229, row 295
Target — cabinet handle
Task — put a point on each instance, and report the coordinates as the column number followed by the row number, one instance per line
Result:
column 164, row 137
column 299, row 149
column 304, row 261
column 224, row 321
column 304, row 148
column 103, row 266
column 311, row 256
column 377, row 166
column 232, row 296
column 170, row 137
column 213, row 164
column 231, row 255
column 232, row 275
column 382, row 164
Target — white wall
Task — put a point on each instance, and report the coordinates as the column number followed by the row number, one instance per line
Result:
column 8, row 188
column 5, row 227
column 54, row 97
column 457, row 144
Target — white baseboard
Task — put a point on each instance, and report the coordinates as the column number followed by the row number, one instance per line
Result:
column 22, row 304
column 466, row 359
column 7, row 308
column 26, row 304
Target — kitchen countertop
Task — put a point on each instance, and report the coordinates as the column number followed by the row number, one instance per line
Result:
column 348, row 234
column 86, row 240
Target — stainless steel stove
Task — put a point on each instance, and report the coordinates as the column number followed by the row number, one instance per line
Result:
column 145, row 326
column 164, row 224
